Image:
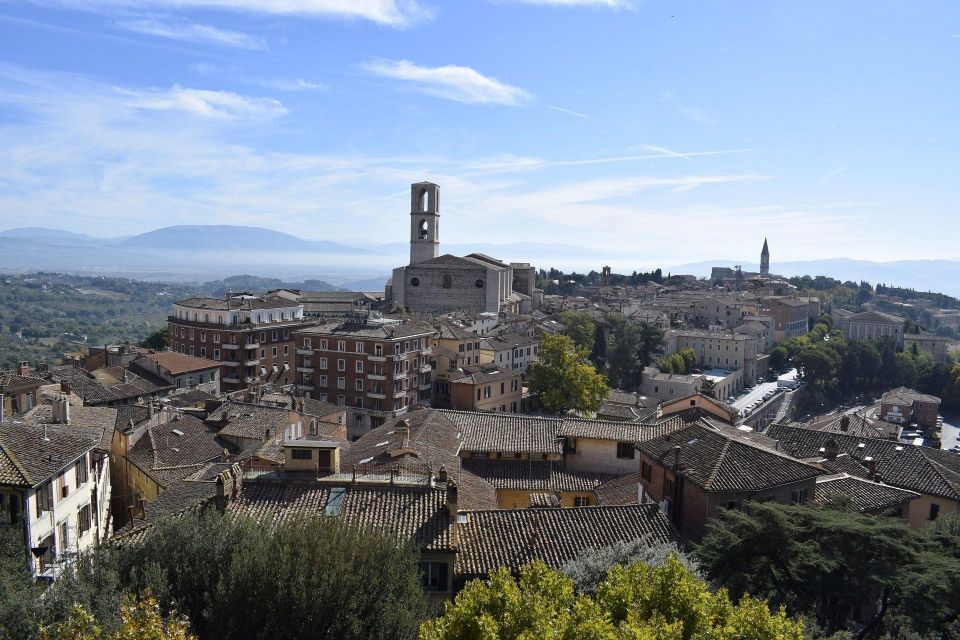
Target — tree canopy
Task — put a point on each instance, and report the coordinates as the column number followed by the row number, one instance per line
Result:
column 565, row 379
column 580, row 327
column 631, row 347
column 634, row 601
column 837, row 566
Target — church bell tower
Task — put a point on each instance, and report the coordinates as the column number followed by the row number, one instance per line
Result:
column 424, row 221
column 765, row 259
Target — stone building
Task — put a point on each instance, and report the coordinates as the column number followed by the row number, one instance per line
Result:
column 869, row 325
column 435, row 283
column 765, row 259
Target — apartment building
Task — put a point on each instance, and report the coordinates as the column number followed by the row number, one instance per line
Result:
column 487, row 388
column 250, row 336
column 731, row 351
column 510, row 351
column 376, row 368
column 55, row 483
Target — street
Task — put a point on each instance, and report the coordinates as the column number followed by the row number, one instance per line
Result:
column 760, row 390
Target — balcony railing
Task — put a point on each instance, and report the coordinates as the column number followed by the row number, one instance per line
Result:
column 252, row 363
column 305, row 369
column 230, row 363
column 305, row 387
column 230, row 345
column 305, row 351
column 373, row 358
column 378, row 396
column 376, row 376
column 231, row 380
column 252, row 345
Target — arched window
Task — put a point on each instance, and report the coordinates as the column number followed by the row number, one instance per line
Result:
column 270, row 318
column 259, row 318
column 447, row 281
column 425, row 200
column 283, row 316
column 424, row 230
column 206, row 318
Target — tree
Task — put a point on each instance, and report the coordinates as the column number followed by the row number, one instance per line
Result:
column 590, row 568
column 139, row 620
column 20, row 604
column 234, row 577
column 634, row 601
column 631, row 348
column 580, row 327
column 158, row 340
column 835, row 565
column 565, row 379
column 779, row 356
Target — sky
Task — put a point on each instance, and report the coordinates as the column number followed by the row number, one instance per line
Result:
column 670, row 131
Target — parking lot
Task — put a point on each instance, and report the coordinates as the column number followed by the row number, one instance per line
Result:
column 757, row 393
column 950, row 432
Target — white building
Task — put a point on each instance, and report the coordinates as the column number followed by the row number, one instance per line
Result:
column 55, row 482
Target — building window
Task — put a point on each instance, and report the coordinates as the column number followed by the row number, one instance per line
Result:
column 646, row 471
column 216, row 354
column 581, row 501
column 203, row 336
column 323, row 363
column 625, row 450
column 359, row 347
column 81, row 470
column 934, row 511
column 478, row 284
column 83, row 520
column 359, row 385
column 341, row 365
column 798, row 496
column 414, row 282
column 44, row 498
column 341, row 383
column 274, row 352
column 341, row 345
column 323, row 345
column 434, row 575
column 359, row 366
column 301, row 454
column 447, row 281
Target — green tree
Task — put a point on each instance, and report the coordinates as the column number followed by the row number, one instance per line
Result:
column 565, row 379
column 140, row 619
column 158, row 340
column 634, row 601
column 779, row 356
column 20, row 603
column 631, row 348
column 238, row 578
column 834, row 565
column 580, row 327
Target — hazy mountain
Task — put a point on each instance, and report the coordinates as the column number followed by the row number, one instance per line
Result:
column 230, row 238
column 43, row 234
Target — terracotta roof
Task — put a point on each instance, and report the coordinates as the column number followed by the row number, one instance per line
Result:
column 865, row 496
column 175, row 363
column 506, row 432
column 34, row 454
column 855, row 425
column 533, row 475
column 237, row 303
column 905, row 396
column 251, row 421
column 513, row 537
column 176, row 449
column 620, row 431
column 415, row 514
column 922, row 469
column 486, row 374
column 94, row 423
column 619, row 491
column 127, row 387
column 722, row 462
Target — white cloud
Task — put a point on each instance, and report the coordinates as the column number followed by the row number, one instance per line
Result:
column 293, row 84
column 452, row 82
column 612, row 4
column 193, row 32
column 221, row 105
column 575, row 114
column 395, row 13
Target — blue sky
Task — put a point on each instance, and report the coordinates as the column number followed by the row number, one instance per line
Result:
column 676, row 131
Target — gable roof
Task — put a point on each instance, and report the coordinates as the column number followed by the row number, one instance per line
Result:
column 176, row 449
column 721, row 462
column 513, row 537
column 865, row 495
column 33, row 454
column 929, row 471
column 505, row 432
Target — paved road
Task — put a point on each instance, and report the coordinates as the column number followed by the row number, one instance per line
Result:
column 760, row 390
column 950, row 432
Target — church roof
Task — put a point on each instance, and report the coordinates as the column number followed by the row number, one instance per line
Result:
column 447, row 260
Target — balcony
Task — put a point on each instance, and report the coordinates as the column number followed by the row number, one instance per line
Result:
column 305, row 369
column 230, row 380
column 426, row 386
column 230, row 363
column 377, row 358
column 229, row 346
column 252, row 363
column 426, row 369
column 305, row 387
column 377, row 396
column 426, row 351
column 376, row 376
column 305, row 351
column 251, row 379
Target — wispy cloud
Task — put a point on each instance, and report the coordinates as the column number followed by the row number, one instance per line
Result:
column 452, row 82
column 830, row 175
column 664, row 152
column 293, row 84
column 193, row 32
column 220, row 105
column 575, row 114
column 693, row 113
column 612, row 4
column 394, row 13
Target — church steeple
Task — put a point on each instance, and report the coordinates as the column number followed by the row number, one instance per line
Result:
column 765, row 259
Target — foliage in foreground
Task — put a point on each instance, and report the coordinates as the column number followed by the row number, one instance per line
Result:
column 840, row 568
column 232, row 577
column 637, row 602
column 591, row 567
column 139, row 620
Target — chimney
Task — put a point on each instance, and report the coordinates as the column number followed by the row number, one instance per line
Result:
column 429, row 476
column 442, row 474
column 354, row 479
column 224, row 456
column 845, row 423
column 65, row 387
column 830, row 449
column 871, row 466
column 453, row 508
column 677, row 456
column 23, row 369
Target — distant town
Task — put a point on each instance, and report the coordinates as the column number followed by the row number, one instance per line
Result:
column 487, row 414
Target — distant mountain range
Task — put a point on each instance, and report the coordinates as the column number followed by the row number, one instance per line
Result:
column 200, row 253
